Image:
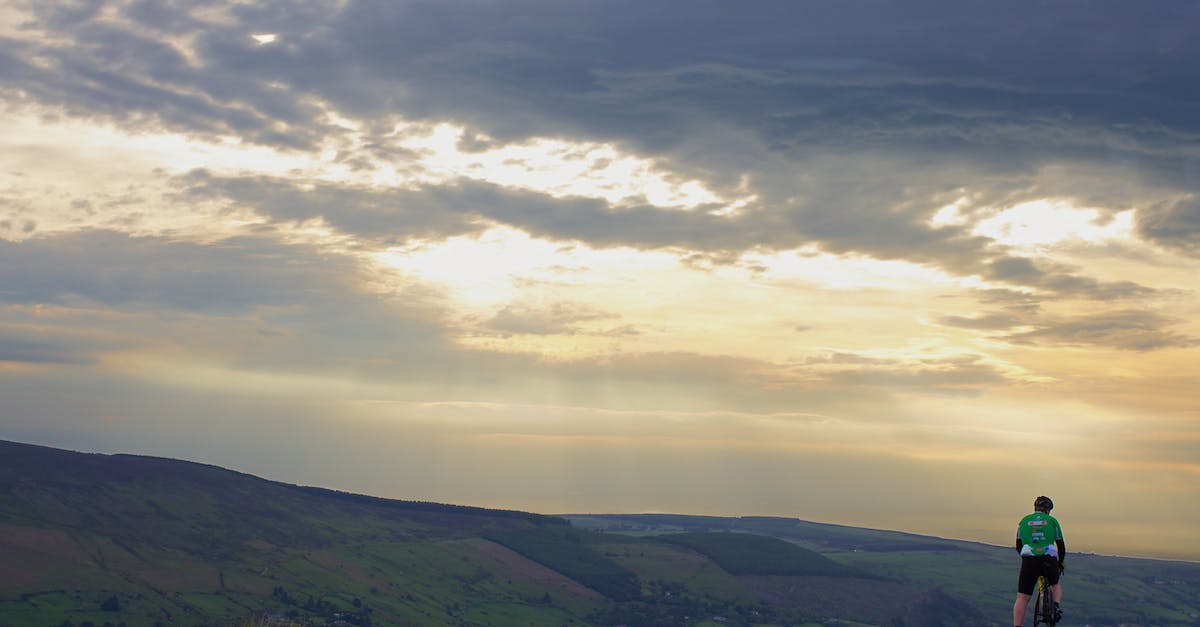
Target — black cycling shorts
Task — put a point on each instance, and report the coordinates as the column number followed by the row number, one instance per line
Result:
column 1035, row 566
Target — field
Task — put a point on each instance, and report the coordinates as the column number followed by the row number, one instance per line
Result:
column 1100, row 590
column 92, row 539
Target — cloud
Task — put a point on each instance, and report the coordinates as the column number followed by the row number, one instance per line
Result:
column 556, row 318
column 247, row 305
column 1008, row 297
column 1133, row 330
column 849, row 143
column 395, row 216
column 850, row 140
column 107, row 268
column 374, row 216
column 24, row 347
column 1033, row 319
column 225, row 221
column 1056, row 280
column 987, row 322
column 958, row 374
column 599, row 69
column 239, row 303
column 1175, row 224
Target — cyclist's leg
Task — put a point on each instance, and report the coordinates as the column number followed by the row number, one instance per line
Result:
column 1054, row 578
column 1026, row 581
column 1019, row 608
column 1052, row 573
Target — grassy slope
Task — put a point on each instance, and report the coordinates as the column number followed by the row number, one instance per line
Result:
column 181, row 543
column 754, row 554
column 1100, row 590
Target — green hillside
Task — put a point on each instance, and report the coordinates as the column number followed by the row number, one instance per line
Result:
column 127, row 540
column 752, row 554
column 568, row 552
column 144, row 541
column 1100, row 590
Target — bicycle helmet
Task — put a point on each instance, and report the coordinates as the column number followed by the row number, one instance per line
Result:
column 1043, row 503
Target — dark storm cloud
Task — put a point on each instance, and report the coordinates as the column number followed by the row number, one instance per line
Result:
column 94, row 67
column 852, row 131
column 924, row 63
column 944, row 74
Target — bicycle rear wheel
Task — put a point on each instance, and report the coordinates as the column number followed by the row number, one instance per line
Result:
column 1043, row 605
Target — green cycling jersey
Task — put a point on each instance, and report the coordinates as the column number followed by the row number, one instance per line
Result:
column 1038, row 532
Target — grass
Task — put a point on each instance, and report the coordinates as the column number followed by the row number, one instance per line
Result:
column 752, row 554
column 655, row 561
column 53, row 608
column 185, row 544
column 1100, row 590
column 216, row 605
column 566, row 552
column 533, row 614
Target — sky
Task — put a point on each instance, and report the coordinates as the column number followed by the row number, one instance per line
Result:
column 902, row 265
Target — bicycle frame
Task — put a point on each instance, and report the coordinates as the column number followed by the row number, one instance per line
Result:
column 1043, row 605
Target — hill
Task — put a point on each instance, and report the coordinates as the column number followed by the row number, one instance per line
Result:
column 125, row 539
column 956, row 577
column 176, row 542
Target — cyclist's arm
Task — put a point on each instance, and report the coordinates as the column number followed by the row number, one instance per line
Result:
column 1018, row 545
column 1060, row 544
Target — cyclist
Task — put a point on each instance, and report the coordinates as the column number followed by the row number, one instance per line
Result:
column 1040, row 543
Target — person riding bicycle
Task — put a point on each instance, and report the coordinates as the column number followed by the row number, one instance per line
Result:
column 1040, row 543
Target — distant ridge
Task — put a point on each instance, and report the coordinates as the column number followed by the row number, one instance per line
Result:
column 431, row 506
column 828, row 535
column 36, row 462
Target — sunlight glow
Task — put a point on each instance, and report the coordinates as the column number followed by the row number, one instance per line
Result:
column 487, row 270
column 104, row 153
column 852, row 272
column 562, row 301
column 556, row 167
column 950, row 215
column 1044, row 223
column 11, row 20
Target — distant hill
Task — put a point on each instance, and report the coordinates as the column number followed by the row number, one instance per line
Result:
column 125, row 539
column 952, row 578
column 753, row 554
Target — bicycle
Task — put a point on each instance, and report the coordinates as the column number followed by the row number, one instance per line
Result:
column 1044, row 611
